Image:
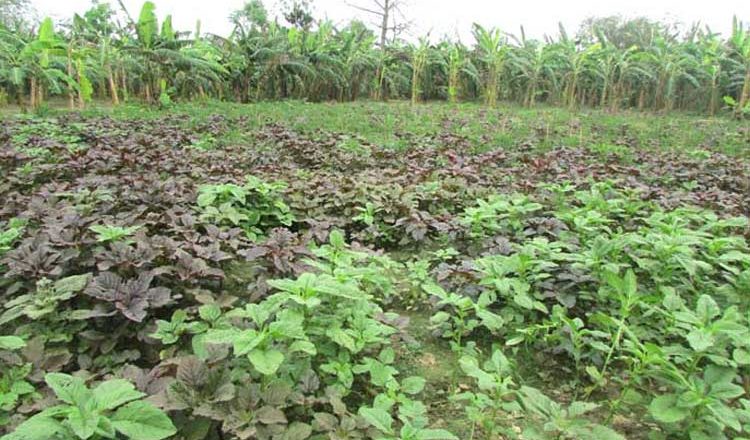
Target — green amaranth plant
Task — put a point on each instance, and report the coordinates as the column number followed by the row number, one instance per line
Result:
column 499, row 214
column 255, row 206
column 45, row 299
column 12, row 231
column 463, row 315
column 112, row 408
column 14, row 386
column 110, row 233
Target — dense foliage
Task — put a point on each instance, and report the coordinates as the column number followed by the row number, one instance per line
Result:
column 169, row 278
column 611, row 63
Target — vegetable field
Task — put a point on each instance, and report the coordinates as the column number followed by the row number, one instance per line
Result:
column 373, row 271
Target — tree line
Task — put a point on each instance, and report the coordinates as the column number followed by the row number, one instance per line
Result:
column 610, row 63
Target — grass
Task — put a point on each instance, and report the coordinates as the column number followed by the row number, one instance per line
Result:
column 394, row 124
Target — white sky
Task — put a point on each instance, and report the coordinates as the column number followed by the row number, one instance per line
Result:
column 446, row 17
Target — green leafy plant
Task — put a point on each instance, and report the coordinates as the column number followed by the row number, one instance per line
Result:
column 488, row 407
column 545, row 419
column 112, row 408
column 397, row 397
column 464, row 315
column 10, row 234
column 499, row 214
column 255, row 206
column 700, row 405
column 45, row 299
column 14, row 386
column 110, row 233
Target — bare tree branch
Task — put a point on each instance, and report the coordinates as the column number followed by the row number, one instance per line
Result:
column 392, row 18
column 364, row 9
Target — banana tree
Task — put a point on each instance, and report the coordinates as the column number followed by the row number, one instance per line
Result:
column 420, row 57
column 199, row 63
column 13, row 67
column 712, row 55
column 492, row 51
column 40, row 61
column 358, row 58
column 576, row 64
column 281, row 68
column 739, row 45
column 534, row 66
column 461, row 70
column 321, row 50
column 632, row 79
column 392, row 75
column 673, row 64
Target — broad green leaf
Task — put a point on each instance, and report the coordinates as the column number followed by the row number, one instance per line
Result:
column 381, row 374
column 664, row 409
column 707, row 308
column 67, row 388
column 267, row 362
column 105, row 428
column 209, row 312
column 11, row 343
column 46, row 31
column 700, row 339
column 35, row 428
column 470, row 366
column 439, row 318
column 741, row 356
column 147, row 26
column 72, row 284
column 297, row 431
column 576, row 409
column 387, row 355
column 141, row 420
column 83, row 423
column 378, row 418
column 726, row 415
column 269, row 415
column 630, row 283
column 289, row 324
column 339, row 336
column 336, row 238
column 247, row 341
column 113, row 393
column 490, row 320
column 221, row 336
column 413, row 385
column 524, row 300
column 304, row 347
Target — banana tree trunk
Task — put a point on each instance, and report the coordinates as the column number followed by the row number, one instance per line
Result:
column 642, row 99
column 33, row 94
column 714, row 97
column 571, row 95
column 71, row 96
column 40, row 94
column 112, row 86
column 19, row 99
column 616, row 96
column 81, row 100
column 744, row 95
column 531, row 94
column 124, row 82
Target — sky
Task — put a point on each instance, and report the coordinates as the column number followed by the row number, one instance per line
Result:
column 452, row 18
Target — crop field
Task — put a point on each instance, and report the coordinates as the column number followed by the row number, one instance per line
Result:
column 373, row 270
